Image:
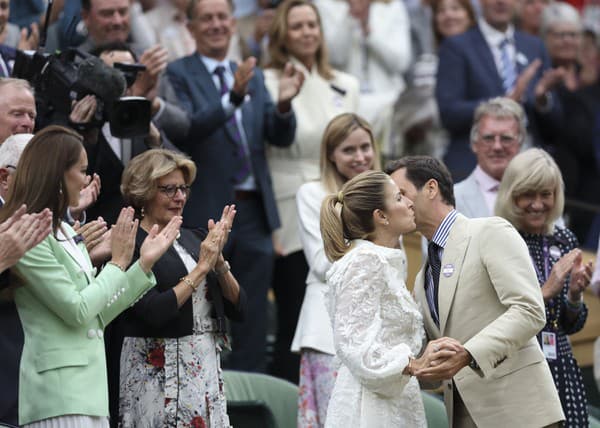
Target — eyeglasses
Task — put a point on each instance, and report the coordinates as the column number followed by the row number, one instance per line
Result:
column 171, row 190
column 565, row 34
column 505, row 140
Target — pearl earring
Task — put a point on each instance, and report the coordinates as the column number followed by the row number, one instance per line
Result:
column 142, row 212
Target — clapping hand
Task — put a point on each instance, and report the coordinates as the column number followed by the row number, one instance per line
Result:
column 556, row 280
column 29, row 42
column 581, row 275
column 91, row 232
column 290, row 83
column 155, row 59
column 123, row 238
column 242, row 76
column 156, row 243
column 21, row 232
column 87, row 196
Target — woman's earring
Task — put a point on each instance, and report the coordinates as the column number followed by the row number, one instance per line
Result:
column 387, row 223
column 60, row 192
column 142, row 212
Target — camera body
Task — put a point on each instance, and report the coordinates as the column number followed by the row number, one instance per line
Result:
column 62, row 78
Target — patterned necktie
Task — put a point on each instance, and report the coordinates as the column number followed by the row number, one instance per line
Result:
column 508, row 71
column 434, row 262
column 243, row 167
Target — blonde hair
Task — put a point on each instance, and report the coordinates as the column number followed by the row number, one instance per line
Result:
column 336, row 132
column 348, row 214
column 531, row 170
column 139, row 182
column 278, row 36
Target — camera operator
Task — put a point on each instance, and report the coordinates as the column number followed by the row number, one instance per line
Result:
column 109, row 155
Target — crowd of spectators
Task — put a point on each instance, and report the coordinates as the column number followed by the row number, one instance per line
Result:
column 258, row 109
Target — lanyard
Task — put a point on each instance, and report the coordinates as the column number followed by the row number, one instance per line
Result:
column 546, row 256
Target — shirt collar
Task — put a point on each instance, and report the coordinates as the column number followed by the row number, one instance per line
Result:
column 485, row 181
column 440, row 237
column 495, row 37
column 211, row 64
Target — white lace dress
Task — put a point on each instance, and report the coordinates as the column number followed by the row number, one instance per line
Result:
column 377, row 326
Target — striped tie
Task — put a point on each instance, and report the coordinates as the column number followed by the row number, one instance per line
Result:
column 433, row 279
column 509, row 71
column 243, row 167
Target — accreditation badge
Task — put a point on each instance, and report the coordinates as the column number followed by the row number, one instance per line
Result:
column 549, row 345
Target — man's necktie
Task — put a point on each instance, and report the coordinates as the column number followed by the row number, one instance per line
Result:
column 509, row 70
column 431, row 291
column 243, row 169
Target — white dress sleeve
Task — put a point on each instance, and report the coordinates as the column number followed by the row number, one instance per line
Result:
column 364, row 343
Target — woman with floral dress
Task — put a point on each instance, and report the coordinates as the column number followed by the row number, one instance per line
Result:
column 172, row 337
column 531, row 197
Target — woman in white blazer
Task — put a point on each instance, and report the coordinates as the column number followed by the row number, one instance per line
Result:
column 347, row 150
column 296, row 37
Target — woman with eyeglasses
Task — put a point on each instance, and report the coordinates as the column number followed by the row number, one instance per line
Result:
column 172, row 337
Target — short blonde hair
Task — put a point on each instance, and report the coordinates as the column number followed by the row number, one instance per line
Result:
column 337, row 130
column 531, row 170
column 139, row 181
column 559, row 13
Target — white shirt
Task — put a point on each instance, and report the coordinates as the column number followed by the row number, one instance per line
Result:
column 494, row 38
column 488, row 186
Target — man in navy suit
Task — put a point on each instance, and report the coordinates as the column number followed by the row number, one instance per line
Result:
column 493, row 59
column 232, row 116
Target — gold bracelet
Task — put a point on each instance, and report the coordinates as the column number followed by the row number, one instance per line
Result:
column 117, row 265
column 189, row 282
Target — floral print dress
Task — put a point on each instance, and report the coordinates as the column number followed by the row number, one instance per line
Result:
column 175, row 382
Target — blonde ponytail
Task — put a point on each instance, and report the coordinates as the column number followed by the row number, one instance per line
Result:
column 332, row 229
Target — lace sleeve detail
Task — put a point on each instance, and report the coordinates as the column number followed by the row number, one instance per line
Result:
column 364, row 342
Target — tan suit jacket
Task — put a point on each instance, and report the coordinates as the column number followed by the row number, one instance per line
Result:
column 489, row 299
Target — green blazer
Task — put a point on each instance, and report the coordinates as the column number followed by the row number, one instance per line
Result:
column 64, row 310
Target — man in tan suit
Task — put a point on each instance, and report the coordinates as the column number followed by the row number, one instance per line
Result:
column 480, row 297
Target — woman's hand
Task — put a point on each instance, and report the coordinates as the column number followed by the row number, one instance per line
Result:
column 156, row 243
column 91, row 232
column 581, row 275
column 123, row 238
column 227, row 218
column 556, row 281
column 211, row 247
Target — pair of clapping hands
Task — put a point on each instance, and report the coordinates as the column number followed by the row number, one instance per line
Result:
column 118, row 243
column 441, row 360
column 21, row 232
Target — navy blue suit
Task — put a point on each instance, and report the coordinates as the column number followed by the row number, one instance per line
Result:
column 467, row 76
column 8, row 55
column 212, row 146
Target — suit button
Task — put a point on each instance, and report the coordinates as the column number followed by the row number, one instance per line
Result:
column 91, row 334
column 100, row 334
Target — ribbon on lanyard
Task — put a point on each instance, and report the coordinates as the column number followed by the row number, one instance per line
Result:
column 552, row 318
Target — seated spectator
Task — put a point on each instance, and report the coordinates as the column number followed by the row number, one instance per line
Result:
column 531, row 198
column 63, row 306
column 180, row 323
column 572, row 146
column 493, row 59
column 370, row 40
column 497, row 136
column 296, row 37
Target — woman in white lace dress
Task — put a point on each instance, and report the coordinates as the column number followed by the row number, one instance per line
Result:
column 378, row 328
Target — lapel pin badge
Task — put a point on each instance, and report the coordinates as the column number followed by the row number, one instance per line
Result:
column 448, row 270
column 522, row 59
column 554, row 252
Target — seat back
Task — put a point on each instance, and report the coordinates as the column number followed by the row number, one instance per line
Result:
column 279, row 396
column 435, row 411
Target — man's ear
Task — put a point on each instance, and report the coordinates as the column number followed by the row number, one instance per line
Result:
column 432, row 188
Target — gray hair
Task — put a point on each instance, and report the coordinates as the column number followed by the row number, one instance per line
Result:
column 499, row 107
column 558, row 13
column 11, row 149
column 18, row 83
column 531, row 170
